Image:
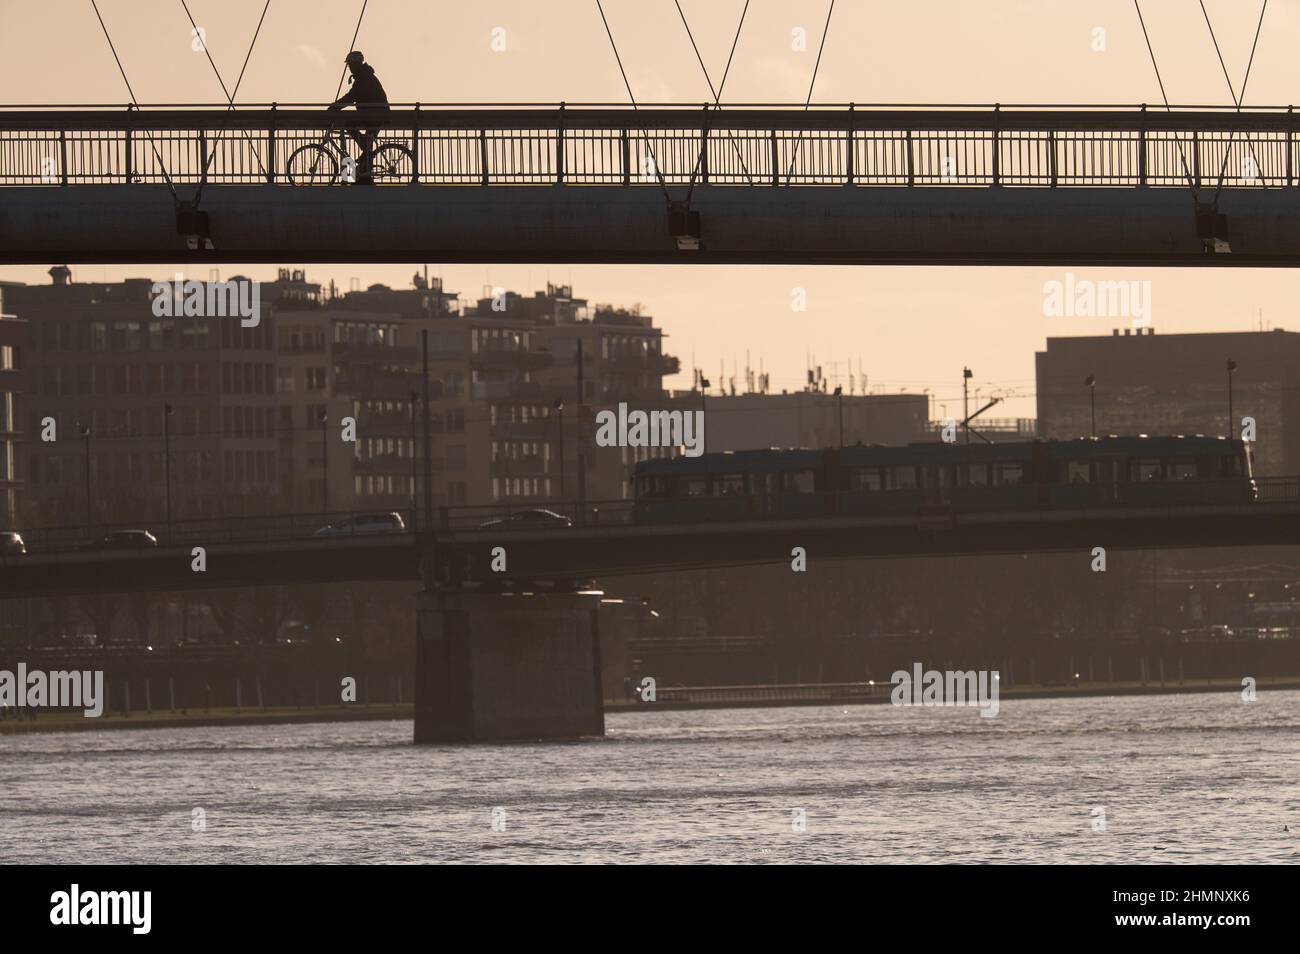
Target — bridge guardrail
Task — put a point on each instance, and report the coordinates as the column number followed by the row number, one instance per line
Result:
column 729, row 145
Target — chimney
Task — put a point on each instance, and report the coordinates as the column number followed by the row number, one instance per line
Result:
column 60, row 274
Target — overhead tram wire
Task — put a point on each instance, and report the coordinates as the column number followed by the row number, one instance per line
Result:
column 1237, row 99
column 649, row 145
column 1154, row 65
column 161, row 165
column 230, row 97
column 813, row 82
column 717, row 96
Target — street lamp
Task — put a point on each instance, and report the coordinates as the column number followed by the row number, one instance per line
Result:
column 84, row 431
column 558, row 404
column 168, row 411
column 415, row 513
column 324, row 464
column 704, row 387
column 839, row 407
column 1232, row 366
column 1091, row 381
column 965, row 402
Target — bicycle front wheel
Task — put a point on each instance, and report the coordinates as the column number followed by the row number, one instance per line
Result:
column 312, row 165
column 394, row 164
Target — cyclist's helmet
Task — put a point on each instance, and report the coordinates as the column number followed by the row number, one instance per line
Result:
column 355, row 58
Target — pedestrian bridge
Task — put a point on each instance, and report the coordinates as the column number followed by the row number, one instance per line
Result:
column 660, row 184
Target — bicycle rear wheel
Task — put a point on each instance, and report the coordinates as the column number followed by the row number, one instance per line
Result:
column 393, row 164
column 312, row 165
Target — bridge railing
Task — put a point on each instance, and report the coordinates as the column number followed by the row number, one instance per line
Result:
column 661, row 147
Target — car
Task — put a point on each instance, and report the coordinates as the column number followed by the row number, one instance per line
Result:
column 364, row 523
column 11, row 543
column 527, row 520
column 123, row 540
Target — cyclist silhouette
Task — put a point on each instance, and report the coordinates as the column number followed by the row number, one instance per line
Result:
column 367, row 94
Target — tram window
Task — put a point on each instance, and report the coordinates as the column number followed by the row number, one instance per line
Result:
column 797, row 482
column 1232, row 467
column 902, row 478
column 729, row 485
column 1182, row 470
column 696, row 487
column 977, row 475
column 1144, row 470
column 1078, row 472
column 1005, row 474
column 865, row 478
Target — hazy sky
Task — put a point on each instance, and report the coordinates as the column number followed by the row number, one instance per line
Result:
column 910, row 327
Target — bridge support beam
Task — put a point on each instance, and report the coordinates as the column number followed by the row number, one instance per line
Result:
column 494, row 667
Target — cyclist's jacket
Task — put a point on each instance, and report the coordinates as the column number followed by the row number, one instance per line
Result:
column 366, row 89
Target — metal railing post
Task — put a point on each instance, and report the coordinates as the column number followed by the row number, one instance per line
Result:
column 1196, row 158
column 126, row 149
column 911, row 168
column 559, row 149
column 1051, row 155
column 627, row 157
column 1290, row 147
column 1142, row 149
column 776, row 162
column 270, row 149
column 63, row 157
column 483, row 156
column 415, row 147
column 848, row 146
column 997, row 146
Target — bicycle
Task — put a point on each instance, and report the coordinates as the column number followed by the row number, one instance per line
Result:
column 320, row 163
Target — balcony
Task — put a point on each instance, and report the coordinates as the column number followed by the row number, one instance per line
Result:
column 505, row 359
column 385, row 354
column 642, row 362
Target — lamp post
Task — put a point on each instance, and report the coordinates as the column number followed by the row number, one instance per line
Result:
column 415, row 513
column 1232, row 366
column 84, row 431
column 839, row 408
column 704, row 388
column 965, row 402
column 168, row 411
column 324, row 464
column 558, row 404
column 1091, row 381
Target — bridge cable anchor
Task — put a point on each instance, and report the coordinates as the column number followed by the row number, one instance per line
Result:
column 1212, row 228
column 684, row 226
column 193, row 224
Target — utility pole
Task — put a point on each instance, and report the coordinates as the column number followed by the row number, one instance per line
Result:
column 85, row 434
column 324, row 464
column 839, row 402
column 965, row 403
column 1092, row 402
column 428, row 443
column 1232, row 366
column 582, row 460
column 168, row 410
column 559, row 413
column 415, row 476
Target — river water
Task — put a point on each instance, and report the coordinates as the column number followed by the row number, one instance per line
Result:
column 1206, row 778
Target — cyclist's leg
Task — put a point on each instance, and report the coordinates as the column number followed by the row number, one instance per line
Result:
column 366, row 166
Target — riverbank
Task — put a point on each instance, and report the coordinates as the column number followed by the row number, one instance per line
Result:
column 673, row 698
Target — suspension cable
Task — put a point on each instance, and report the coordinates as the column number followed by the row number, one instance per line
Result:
column 351, row 46
column 649, row 145
column 1177, row 142
column 1223, row 168
column 230, row 96
column 813, row 82
column 161, row 165
column 717, row 96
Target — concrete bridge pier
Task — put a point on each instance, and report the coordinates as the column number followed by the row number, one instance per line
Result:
column 494, row 667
